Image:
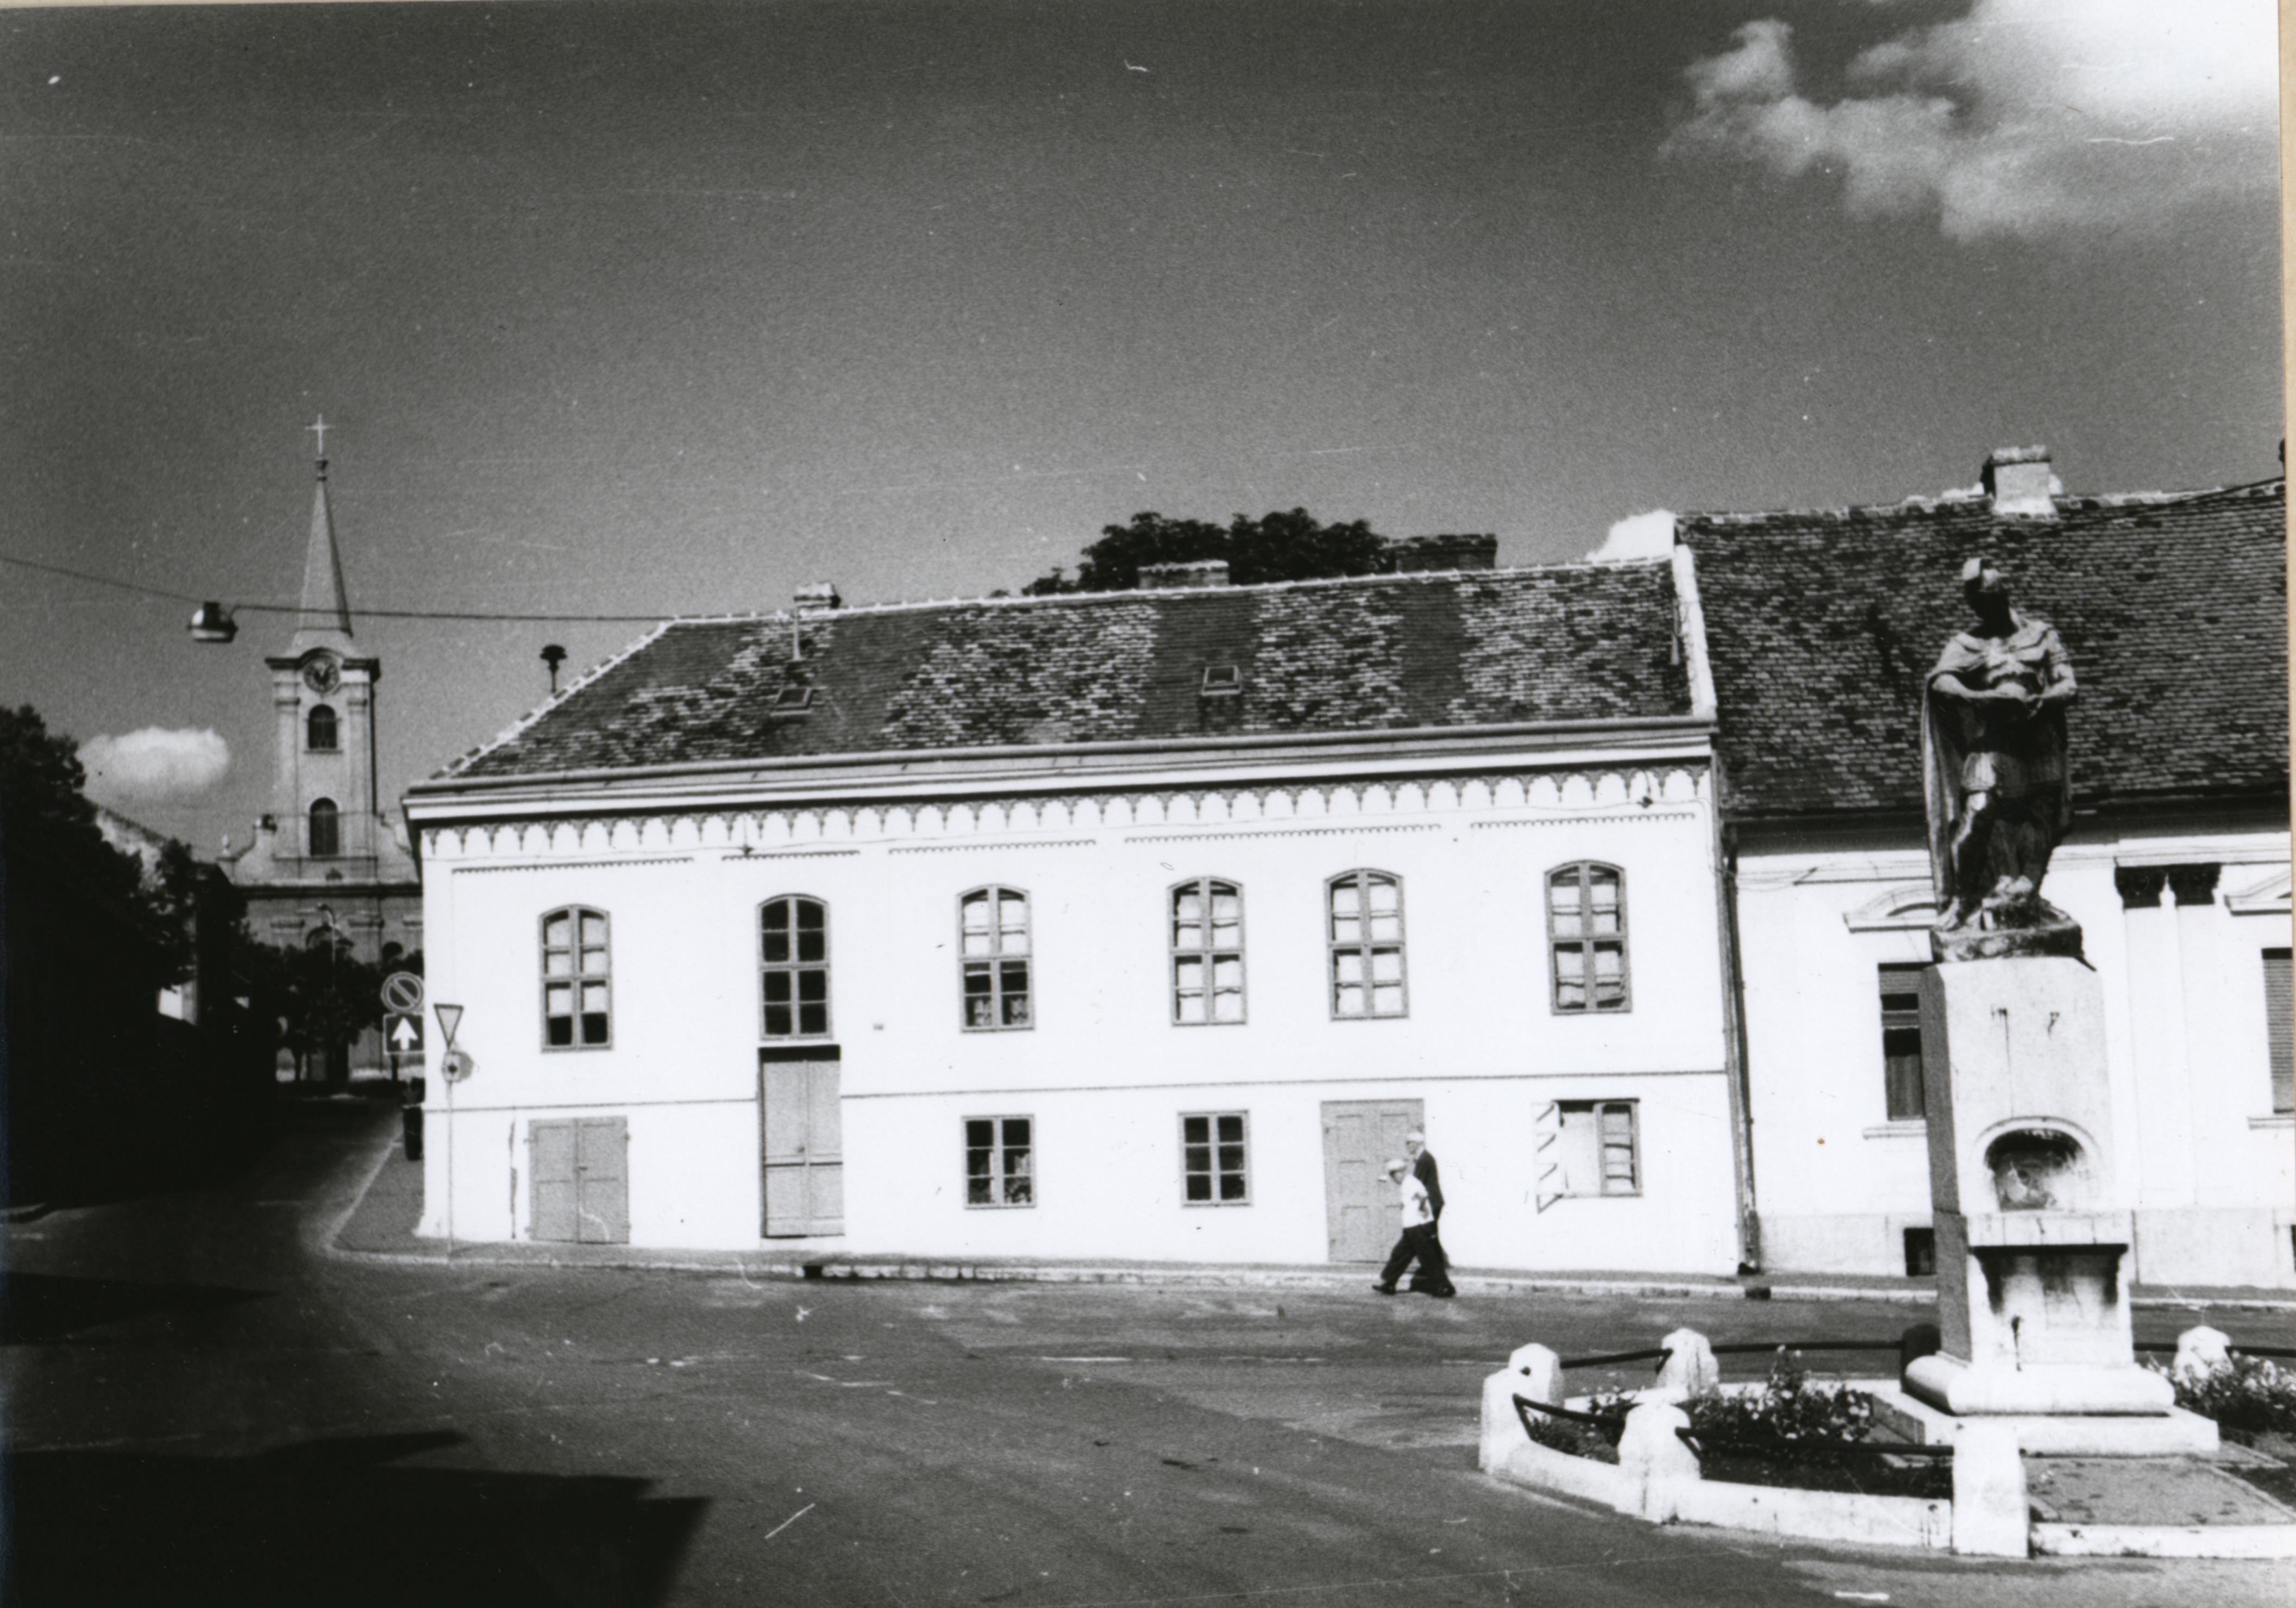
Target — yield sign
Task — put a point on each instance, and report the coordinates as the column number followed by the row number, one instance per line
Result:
column 404, row 1034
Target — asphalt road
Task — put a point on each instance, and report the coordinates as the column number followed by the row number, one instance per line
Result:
column 203, row 1406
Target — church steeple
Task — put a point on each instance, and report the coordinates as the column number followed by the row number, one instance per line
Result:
column 325, row 620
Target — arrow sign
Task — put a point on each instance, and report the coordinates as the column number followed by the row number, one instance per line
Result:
column 406, row 1035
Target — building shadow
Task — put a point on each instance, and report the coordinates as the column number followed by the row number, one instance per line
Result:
column 43, row 1306
column 334, row 1521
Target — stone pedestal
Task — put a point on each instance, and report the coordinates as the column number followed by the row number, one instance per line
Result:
column 2032, row 1229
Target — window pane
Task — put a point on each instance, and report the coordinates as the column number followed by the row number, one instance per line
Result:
column 1386, row 965
column 1385, row 899
column 1348, row 1001
column 1196, row 1130
column 561, row 1030
column 1231, row 1187
column 777, row 916
column 1187, row 935
column 1227, row 1006
column 1199, row 1158
column 1227, row 973
column 593, row 997
column 813, row 985
column 777, row 988
column 1231, row 1158
column 1346, row 966
column 1188, row 974
column 812, row 946
column 1016, row 1010
column 557, row 933
column 1387, row 1000
column 1602, row 890
column 810, row 912
column 981, row 1191
column 1231, row 1130
column 1012, row 913
column 594, row 927
column 813, row 1019
column 1188, row 904
column 777, row 947
column 593, row 961
column 980, row 1135
column 1199, row 1187
column 1013, row 976
column 594, row 1027
column 1016, row 1186
column 1387, row 929
column 1227, row 906
column 1016, row 1133
column 976, row 912
column 557, row 962
column 558, row 1001
column 778, row 1022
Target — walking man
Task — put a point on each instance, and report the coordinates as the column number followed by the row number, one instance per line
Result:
column 1418, row 1243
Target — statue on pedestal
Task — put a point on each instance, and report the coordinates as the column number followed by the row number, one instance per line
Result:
column 1994, row 779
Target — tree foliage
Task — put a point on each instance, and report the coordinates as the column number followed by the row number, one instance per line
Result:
column 1277, row 546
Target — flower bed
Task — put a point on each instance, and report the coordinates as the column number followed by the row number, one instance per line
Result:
column 1789, row 1432
column 2253, row 1401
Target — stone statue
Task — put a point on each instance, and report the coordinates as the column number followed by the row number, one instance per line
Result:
column 1994, row 779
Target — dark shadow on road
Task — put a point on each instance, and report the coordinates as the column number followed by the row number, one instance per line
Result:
column 46, row 1306
column 330, row 1521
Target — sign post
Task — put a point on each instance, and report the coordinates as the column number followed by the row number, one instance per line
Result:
column 456, row 1066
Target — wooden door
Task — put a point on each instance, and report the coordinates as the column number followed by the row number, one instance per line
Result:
column 581, row 1179
column 549, row 1161
column 799, row 1098
column 1360, row 1206
column 602, row 1180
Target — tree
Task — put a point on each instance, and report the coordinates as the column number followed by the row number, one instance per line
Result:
column 1277, row 546
column 320, row 992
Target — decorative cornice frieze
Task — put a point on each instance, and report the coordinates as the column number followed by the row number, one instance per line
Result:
column 1606, row 793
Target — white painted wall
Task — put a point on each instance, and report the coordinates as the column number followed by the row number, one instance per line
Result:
column 1103, row 1071
column 2210, row 1169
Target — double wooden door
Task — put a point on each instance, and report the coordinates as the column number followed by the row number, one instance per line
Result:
column 799, row 1095
column 581, row 1179
column 1361, row 1207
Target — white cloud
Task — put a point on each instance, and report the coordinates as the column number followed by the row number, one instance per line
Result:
column 2027, row 118
column 154, row 765
column 1638, row 536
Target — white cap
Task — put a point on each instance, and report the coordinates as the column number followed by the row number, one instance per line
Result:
column 1399, row 1165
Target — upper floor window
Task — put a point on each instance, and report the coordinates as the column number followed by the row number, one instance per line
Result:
column 576, row 1012
column 793, row 948
column 993, row 937
column 319, row 727
column 1206, row 951
column 1366, row 935
column 1901, row 1043
column 1587, row 933
column 326, row 828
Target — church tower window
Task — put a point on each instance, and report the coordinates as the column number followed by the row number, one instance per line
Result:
column 326, row 829
column 319, row 731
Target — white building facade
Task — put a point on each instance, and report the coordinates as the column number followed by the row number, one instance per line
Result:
column 1822, row 629
column 1166, row 978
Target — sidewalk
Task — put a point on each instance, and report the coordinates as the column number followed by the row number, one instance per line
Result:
column 381, row 1227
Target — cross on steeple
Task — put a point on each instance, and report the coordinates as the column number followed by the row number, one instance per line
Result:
column 320, row 430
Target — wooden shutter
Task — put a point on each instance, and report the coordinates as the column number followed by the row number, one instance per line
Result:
column 550, row 1147
column 2280, row 1024
column 602, row 1175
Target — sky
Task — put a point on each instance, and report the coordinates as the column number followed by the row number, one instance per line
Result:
column 672, row 309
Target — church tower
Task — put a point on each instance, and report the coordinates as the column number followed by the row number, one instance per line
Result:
column 323, row 792
column 325, row 861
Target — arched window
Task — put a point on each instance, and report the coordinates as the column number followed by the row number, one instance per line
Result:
column 576, row 1012
column 326, row 829
column 1587, row 933
column 1365, row 934
column 793, row 953
column 319, row 728
column 1206, row 951
column 993, row 939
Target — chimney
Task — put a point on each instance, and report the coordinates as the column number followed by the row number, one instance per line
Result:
column 2019, row 480
column 1417, row 555
column 821, row 594
column 1200, row 575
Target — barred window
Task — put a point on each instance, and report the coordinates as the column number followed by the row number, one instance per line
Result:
column 1206, row 952
column 793, row 948
column 1587, row 934
column 1212, row 1159
column 999, row 1162
column 993, row 936
column 1366, row 936
column 575, row 1012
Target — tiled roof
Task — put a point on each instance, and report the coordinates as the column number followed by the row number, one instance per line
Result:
column 1370, row 653
column 1822, row 627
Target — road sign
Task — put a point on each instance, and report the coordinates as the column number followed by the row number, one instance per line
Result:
column 459, row 1065
column 403, row 1034
column 402, row 991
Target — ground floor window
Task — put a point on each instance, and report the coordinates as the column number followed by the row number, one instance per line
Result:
column 1000, row 1161
column 1602, row 1147
column 1901, row 1042
column 1212, row 1159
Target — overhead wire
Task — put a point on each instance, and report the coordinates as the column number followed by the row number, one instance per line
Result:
column 364, row 613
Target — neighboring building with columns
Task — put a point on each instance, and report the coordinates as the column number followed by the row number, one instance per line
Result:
column 1126, row 925
column 1821, row 629
column 325, row 856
